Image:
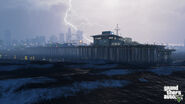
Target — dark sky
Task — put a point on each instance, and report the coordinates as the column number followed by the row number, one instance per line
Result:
column 161, row 21
column 26, row 18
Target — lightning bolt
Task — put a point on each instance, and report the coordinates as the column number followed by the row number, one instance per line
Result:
column 66, row 16
column 69, row 23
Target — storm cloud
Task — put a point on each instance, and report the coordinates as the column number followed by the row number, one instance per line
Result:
column 143, row 20
column 161, row 21
column 29, row 18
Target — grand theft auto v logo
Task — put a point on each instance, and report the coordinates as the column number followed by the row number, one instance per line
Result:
column 173, row 92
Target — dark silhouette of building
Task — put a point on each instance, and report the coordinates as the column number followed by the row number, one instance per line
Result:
column 107, row 47
column 69, row 36
column 108, row 38
column 53, row 39
column 79, row 36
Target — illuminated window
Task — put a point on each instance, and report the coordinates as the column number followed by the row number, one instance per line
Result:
column 120, row 39
column 98, row 38
column 26, row 58
column 115, row 44
column 111, row 37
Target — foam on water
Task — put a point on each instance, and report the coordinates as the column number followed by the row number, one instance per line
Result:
column 115, row 72
column 93, row 66
column 143, row 80
column 8, row 96
column 16, row 67
column 167, row 70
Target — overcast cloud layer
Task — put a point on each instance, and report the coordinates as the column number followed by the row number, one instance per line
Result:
column 143, row 20
column 29, row 18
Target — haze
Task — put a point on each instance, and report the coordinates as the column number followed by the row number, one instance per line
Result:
column 150, row 21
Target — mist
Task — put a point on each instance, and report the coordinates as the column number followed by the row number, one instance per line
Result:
column 27, row 19
column 143, row 20
column 161, row 21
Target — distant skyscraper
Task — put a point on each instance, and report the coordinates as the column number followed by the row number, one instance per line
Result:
column 53, row 39
column 62, row 38
column 41, row 40
column 79, row 35
column 69, row 36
